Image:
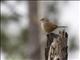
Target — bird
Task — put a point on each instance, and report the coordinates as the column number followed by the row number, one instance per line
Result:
column 48, row 26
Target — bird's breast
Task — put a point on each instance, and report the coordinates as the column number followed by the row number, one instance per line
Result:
column 42, row 26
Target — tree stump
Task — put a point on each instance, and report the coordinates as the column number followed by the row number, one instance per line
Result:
column 56, row 46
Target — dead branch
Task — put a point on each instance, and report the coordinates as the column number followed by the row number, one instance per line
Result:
column 56, row 46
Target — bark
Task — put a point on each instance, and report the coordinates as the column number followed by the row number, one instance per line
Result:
column 56, row 46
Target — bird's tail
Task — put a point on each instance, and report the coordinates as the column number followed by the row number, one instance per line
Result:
column 62, row 26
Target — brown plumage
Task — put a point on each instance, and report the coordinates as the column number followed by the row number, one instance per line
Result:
column 48, row 26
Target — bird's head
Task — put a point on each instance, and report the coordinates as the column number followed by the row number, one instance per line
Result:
column 44, row 20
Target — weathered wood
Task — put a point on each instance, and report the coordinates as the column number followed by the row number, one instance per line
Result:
column 56, row 46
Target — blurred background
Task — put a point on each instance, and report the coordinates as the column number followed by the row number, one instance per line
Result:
column 20, row 30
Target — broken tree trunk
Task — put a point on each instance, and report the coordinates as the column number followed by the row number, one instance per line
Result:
column 56, row 46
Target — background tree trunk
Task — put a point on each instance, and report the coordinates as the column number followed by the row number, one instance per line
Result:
column 34, row 30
